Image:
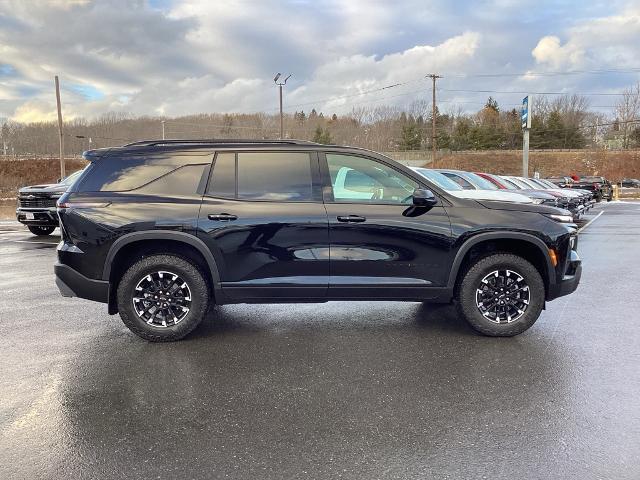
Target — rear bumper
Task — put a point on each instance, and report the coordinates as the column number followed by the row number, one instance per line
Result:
column 74, row 284
column 571, row 279
column 43, row 217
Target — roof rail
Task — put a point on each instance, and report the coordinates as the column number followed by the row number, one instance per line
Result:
column 211, row 141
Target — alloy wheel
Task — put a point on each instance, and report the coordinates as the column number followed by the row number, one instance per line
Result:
column 162, row 299
column 502, row 296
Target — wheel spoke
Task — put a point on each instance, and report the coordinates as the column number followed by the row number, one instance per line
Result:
column 162, row 299
column 502, row 296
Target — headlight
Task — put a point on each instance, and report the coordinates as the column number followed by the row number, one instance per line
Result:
column 560, row 218
column 537, row 201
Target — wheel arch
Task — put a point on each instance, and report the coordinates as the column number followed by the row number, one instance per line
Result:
column 525, row 245
column 126, row 249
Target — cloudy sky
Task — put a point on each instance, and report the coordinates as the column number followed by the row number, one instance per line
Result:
column 175, row 57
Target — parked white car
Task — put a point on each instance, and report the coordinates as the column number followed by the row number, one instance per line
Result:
column 456, row 190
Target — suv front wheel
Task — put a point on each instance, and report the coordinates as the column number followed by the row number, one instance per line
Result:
column 501, row 295
column 162, row 298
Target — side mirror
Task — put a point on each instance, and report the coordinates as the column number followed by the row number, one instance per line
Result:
column 424, row 198
column 58, row 180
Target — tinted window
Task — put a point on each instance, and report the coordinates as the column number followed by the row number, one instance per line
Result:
column 183, row 181
column 281, row 176
column 359, row 179
column 223, row 178
column 114, row 174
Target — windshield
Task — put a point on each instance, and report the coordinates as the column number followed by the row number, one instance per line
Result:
column 71, row 178
column 439, row 179
column 537, row 182
column 465, row 184
column 509, row 184
column 519, row 183
column 529, row 184
column 478, row 181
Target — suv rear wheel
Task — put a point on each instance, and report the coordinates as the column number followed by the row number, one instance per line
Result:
column 162, row 298
column 501, row 295
column 38, row 230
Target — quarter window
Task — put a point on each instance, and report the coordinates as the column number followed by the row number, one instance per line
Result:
column 363, row 180
column 183, row 181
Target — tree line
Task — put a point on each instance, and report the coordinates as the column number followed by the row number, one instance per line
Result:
column 564, row 122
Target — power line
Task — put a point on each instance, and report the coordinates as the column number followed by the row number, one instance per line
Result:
column 548, row 74
column 527, row 92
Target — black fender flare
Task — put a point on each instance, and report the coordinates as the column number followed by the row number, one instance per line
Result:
column 163, row 235
column 501, row 235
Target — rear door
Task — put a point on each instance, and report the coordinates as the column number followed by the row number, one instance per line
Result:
column 263, row 219
column 381, row 245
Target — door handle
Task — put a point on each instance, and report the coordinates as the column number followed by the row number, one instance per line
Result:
column 222, row 217
column 351, row 218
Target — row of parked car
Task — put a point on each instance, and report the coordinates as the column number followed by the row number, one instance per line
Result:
column 508, row 188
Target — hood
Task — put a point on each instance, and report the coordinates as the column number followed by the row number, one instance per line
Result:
column 44, row 188
column 520, row 207
column 495, row 195
column 535, row 193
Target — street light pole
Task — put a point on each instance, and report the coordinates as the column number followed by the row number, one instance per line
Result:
column 280, row 85
column 163, row 129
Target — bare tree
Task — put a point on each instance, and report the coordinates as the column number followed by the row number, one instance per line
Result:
column 627, row 111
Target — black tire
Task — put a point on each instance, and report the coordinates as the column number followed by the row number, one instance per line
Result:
column 187, row 272
column 472, row 279
column 598, row 197
column 40, row 231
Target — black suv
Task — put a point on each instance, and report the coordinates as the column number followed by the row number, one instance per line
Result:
column 162, row 229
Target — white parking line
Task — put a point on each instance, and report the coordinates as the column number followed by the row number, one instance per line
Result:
column 590, row 222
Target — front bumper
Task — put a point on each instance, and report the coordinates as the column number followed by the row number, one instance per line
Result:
column 570, row 280
column 43, row 217
column 74, row 284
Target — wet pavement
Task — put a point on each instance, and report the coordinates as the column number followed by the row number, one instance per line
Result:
column 338, row 390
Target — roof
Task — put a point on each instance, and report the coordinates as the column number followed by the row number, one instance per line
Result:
column 215, row 142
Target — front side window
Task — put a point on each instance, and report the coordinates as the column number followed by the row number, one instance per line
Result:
column 363, row 180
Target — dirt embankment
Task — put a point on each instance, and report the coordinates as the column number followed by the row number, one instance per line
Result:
column 16, row 173
column 613, row 165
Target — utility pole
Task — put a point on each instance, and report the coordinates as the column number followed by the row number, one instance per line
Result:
column 433, row 77
column 163, row 129
column 525, row 119
column 280, row 85
column 62, row 169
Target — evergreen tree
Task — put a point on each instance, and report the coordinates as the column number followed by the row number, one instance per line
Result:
column 411, row 137
column 322, row 135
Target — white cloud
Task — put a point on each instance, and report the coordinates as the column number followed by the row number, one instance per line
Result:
column 198, row 56
column 610, row 41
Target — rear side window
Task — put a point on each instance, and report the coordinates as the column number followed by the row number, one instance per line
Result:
column 181, row 182
column 271, row 176
column 126, row 174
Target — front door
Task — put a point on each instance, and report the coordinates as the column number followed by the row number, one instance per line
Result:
column 264, row 221
column 381, row 245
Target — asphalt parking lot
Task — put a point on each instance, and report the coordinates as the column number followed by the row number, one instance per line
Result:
column 339, row 390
